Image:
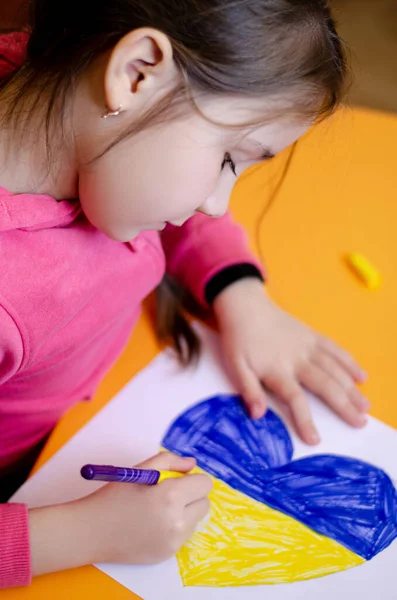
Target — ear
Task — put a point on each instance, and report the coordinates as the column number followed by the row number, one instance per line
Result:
column 140, row 65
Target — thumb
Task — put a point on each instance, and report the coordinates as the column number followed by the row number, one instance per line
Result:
column 254, row 396
column 166, row 461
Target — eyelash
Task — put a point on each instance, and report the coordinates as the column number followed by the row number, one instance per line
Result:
column 229, row 161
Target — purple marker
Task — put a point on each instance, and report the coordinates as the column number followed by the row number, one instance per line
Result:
column 126, row 474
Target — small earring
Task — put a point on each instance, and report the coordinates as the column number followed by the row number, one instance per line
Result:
column 111, row 113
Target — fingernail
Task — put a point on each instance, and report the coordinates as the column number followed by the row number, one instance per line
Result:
column 361, row 420
column 363, row 376
column 257, row 411
column 364, row 403
column 314, row 438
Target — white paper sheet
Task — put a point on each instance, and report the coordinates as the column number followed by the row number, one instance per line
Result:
column 130, row 428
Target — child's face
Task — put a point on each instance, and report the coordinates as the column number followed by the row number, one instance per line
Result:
column 169, row 171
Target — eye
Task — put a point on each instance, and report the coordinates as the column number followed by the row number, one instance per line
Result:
column 228, row 161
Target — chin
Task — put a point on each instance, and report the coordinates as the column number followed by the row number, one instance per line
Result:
column 131, row 234
column 121, row 236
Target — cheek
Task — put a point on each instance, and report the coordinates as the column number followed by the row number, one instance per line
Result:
column 154, row 177
column 178, row 184
column 118, row 196
column 99, row 210
column 192, row 186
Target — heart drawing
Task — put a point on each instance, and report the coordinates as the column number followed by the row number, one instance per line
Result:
column 274, row 519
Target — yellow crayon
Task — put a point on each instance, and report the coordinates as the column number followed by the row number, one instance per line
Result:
column 169, row 475
column 364, row 270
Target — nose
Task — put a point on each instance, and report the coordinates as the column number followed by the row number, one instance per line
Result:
column 217, row 204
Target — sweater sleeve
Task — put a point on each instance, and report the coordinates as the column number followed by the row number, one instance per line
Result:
column 202, row 248
column 12, row 51
column 15, row 569
column 15, row 564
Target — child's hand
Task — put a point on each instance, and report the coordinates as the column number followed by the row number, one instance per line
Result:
column 121, row 522
column 265, row 346
column 139, row 524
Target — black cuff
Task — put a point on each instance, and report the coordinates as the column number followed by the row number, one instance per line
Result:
column 230, row 275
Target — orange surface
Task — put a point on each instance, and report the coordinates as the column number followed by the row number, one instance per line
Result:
column 338, row 197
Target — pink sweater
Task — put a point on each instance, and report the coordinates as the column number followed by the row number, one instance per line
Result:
column 69, row 299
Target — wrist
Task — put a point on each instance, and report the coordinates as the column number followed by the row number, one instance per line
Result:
column 228, row 276
column 61, row 537
column 239, row 296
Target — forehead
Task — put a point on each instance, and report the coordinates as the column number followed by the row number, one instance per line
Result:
column 273, row 137
column 251, row 122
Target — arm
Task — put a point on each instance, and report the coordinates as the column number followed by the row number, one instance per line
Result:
column 61, row 537
column 266, row 348
column 119, row 523
column 14, row 535
column 51, row 544
column 41, row 541
column 205, row 255
column 14, row 546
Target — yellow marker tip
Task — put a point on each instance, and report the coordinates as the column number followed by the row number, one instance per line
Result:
column 169, row 475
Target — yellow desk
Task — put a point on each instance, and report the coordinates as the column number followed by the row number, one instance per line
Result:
column 339, row 196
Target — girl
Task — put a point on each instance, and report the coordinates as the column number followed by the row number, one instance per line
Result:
column 120, row 119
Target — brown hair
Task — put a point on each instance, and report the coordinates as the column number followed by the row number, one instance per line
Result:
column 285, row 49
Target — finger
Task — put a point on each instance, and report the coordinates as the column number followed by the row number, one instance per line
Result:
column 187, row 489
column 292, row 394
column 332, row 368
column 320, row 383
column 166, row 461
column 252, row 391
column 344, row 359
column 195, row 513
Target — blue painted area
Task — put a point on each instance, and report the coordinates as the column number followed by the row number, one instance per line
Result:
column 342, row 498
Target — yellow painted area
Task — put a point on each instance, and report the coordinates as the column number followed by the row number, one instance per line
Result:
column 246, row 543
